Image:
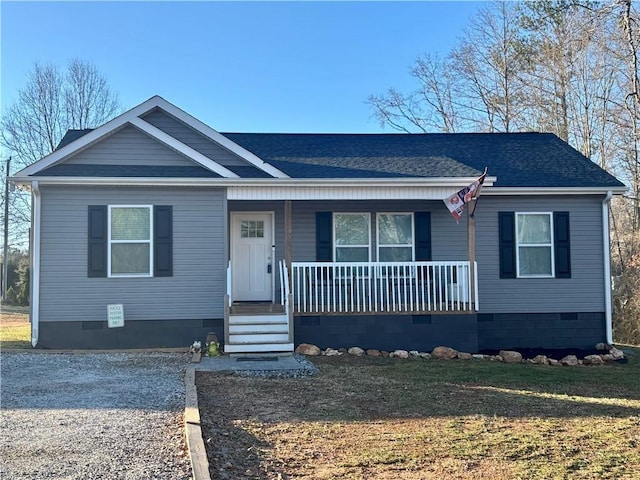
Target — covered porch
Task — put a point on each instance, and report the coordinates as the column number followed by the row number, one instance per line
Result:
column 418, row 263
column 343, row 251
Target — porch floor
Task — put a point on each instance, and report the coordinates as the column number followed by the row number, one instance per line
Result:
column 256, row 308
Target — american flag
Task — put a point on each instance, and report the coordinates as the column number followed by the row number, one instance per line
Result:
column 456, row 202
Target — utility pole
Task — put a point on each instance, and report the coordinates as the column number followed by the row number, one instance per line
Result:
column 5, row 264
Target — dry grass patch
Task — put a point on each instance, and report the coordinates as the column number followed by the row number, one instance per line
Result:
column 15, row 329
column 395, row 419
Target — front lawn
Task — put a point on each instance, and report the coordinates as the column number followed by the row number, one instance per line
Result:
column 393, row 419
column 15, row 329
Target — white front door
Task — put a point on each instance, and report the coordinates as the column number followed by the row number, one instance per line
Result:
column 251, row 262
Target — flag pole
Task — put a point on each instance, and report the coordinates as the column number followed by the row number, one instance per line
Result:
column 475, row 202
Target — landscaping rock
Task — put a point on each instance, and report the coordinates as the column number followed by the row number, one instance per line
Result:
column 496, row 358
column 444, row 353
column 425, row 355
column 540, row 360
column 553, row 362
column 357, row 351
column 593, row 360
column 607, row 357
column 374, row 353
column 400, row 354
column 331, row 352
column 478, row 356
column 616, row 354
column 308, row 349
column 342, row 350
column 385, row 353
column 602, row 346
column 569, row 361
column 510, row 356
column 464, row 356
column 414, row 353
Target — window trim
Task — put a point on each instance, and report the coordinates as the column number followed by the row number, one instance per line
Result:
column 333, row 234
column 413, row 235
column 550, row 245
column 149, row 241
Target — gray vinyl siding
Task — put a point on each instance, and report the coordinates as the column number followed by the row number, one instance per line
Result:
column 583, row 292
column 449, row 240
column 196, row 289
column 192, row 138
column 129, row 146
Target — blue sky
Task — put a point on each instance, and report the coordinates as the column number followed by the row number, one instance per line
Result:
column 237, row 66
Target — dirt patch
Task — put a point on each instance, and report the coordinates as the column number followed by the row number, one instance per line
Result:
column 401, row 419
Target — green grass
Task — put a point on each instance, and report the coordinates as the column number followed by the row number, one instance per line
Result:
column 391, row 418
column 15, row 336
column 15, row 329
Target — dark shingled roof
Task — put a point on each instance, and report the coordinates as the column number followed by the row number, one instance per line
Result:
column 71, row 136
column 516, row 159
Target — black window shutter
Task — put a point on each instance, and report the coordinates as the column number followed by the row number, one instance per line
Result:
column 97, row 246
column 561, row 244
column 324, row 237
column 507, row 244
column 422, row 236
column 162, row 241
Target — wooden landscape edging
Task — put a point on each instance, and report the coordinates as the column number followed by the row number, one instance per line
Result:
column 192, row 428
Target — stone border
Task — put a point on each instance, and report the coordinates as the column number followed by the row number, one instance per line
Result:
column 447, row 353
column 192, row 428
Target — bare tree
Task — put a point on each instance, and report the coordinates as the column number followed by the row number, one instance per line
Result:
column 488, row 63
column 430, row 107
column 52, row 101
column 88, row 99
column 475, row 87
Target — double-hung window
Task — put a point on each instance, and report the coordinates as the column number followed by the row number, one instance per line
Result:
column 130, row 245
column 395, row 237
column 534, row 244
column 352, row 237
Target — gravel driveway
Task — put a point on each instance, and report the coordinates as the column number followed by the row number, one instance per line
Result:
column 92, row 416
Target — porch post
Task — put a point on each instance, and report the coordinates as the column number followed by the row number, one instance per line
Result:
column 287, row 237
column 471, row 244
column 287, row 262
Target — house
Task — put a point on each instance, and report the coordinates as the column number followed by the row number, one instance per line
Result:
column 271, row 240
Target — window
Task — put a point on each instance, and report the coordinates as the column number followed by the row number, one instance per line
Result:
column 352, row 237
column 534, row 244
column 130, row 248
column 252, row 229
column 395, row 237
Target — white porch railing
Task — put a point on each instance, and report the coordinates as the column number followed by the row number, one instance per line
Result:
column 229, row 283
column 378, row 287
column 284, row 284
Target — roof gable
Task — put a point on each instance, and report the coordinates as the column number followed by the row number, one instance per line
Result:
column 80, row 140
